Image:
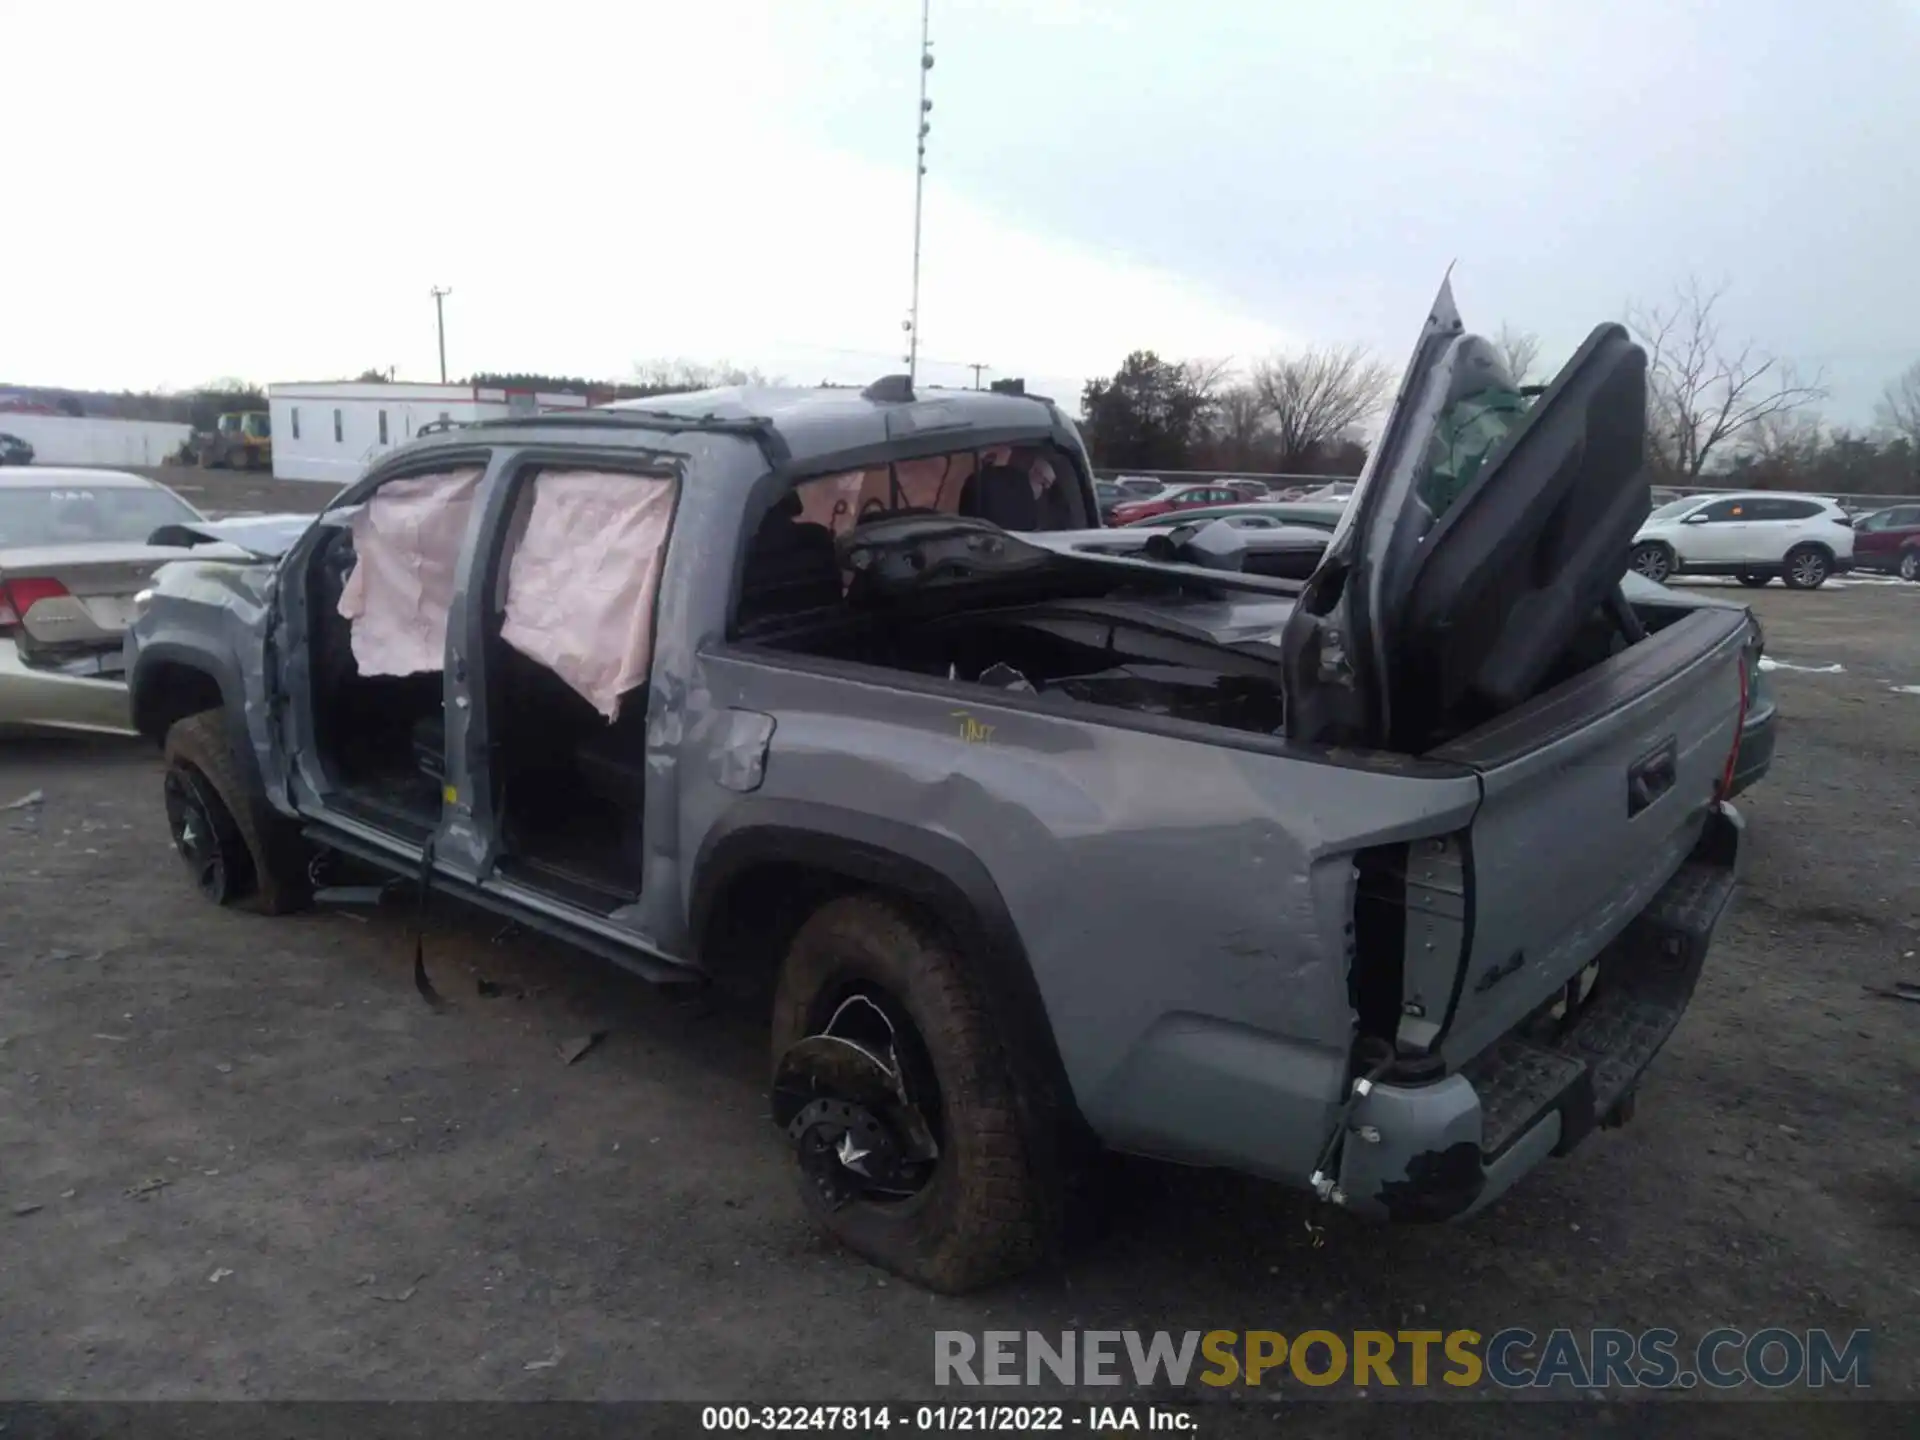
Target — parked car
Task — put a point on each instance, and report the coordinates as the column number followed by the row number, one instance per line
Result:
column 1249, row 489
column 1139, row 487
column 1319, row 514
column 1754, row 537
column 899, row 733
column 1889, row 541
column 1107, row 494
column 73, row 551
column 1177, row 497
column 15, row 451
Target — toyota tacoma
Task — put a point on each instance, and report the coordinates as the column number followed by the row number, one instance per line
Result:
column 1386, row 879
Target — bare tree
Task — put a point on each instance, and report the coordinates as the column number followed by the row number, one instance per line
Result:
column 664, row 376
column 1240, row 423
column 1899, row 408
column 1206, row 379
column 1783, row 448
column 1518, row 350
column 1704, row 395
column 1313, row 398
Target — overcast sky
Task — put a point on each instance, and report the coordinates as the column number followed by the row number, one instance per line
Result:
column 269, row 189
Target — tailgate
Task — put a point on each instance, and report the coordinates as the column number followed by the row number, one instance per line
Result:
column 1593, row 796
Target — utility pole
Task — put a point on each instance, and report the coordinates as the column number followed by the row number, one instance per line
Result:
column 440, row 317
column 919, row 185
column 976, row 367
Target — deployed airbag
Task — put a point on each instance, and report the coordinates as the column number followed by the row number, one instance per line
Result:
column 406, row 542
column 582, row 581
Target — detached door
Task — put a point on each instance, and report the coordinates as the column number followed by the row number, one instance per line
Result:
column 1483, row 535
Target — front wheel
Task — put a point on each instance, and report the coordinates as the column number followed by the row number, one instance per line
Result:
column 1910, row 565
column 237, row 850
column 903, row 1111
column 1807, row 569
column 1652, row 562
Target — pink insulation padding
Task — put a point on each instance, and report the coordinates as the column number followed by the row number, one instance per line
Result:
column 406, row 544
column 582, row 581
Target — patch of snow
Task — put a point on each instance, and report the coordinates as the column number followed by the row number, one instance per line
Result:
column 1767, row 662
column 1905, row 689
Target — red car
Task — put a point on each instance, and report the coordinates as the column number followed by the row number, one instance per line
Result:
column 1888, row 541
column 1180, row 497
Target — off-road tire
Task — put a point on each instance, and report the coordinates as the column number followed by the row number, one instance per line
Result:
column 1652, row 555
column 990, row 1210
column 1800, row 574
column 274, row 879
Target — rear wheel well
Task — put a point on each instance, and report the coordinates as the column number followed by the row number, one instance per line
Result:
column 754, row 916
column 168, row 692
column 1820, row 545
column 752, row 895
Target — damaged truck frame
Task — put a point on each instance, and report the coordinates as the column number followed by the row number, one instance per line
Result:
column 1387, row 882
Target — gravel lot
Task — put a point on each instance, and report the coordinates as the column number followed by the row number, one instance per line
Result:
column 264, row 1169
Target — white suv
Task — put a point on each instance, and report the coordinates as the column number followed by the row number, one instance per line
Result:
column 1801, row 538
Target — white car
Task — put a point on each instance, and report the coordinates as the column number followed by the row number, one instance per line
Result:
column 1801, row 538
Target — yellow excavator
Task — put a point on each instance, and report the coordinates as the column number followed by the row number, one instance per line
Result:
column 240, row 440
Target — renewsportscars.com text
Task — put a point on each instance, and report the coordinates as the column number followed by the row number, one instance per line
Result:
column 1513, row 1358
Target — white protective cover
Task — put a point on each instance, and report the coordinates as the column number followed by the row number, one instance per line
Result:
column 582, row 580
column 406, row 542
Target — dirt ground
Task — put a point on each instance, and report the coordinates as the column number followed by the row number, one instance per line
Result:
column 260, row 1167
column 234, row 492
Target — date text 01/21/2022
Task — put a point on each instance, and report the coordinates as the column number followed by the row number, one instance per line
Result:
column 859, row 1419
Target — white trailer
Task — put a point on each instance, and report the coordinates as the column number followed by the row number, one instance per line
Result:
column 333, row 429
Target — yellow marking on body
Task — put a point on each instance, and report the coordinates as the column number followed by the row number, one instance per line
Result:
column 972, row 731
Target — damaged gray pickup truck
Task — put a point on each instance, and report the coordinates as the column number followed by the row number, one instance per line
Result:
column 1385, row 881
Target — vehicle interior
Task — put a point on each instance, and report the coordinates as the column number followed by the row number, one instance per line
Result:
column 1073, row 634
column 369, row 730
column 791, row 565
column 568, row 633
column 570, row 778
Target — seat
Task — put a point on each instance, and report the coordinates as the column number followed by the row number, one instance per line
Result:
column 1002, row 496
column 790, row 566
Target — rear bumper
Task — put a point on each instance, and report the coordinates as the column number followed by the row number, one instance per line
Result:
column 1756, row 741
column 47, row 700
column 1446, row 1149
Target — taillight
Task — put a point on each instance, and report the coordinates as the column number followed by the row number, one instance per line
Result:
column 21, row 595
column 1747, row 659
